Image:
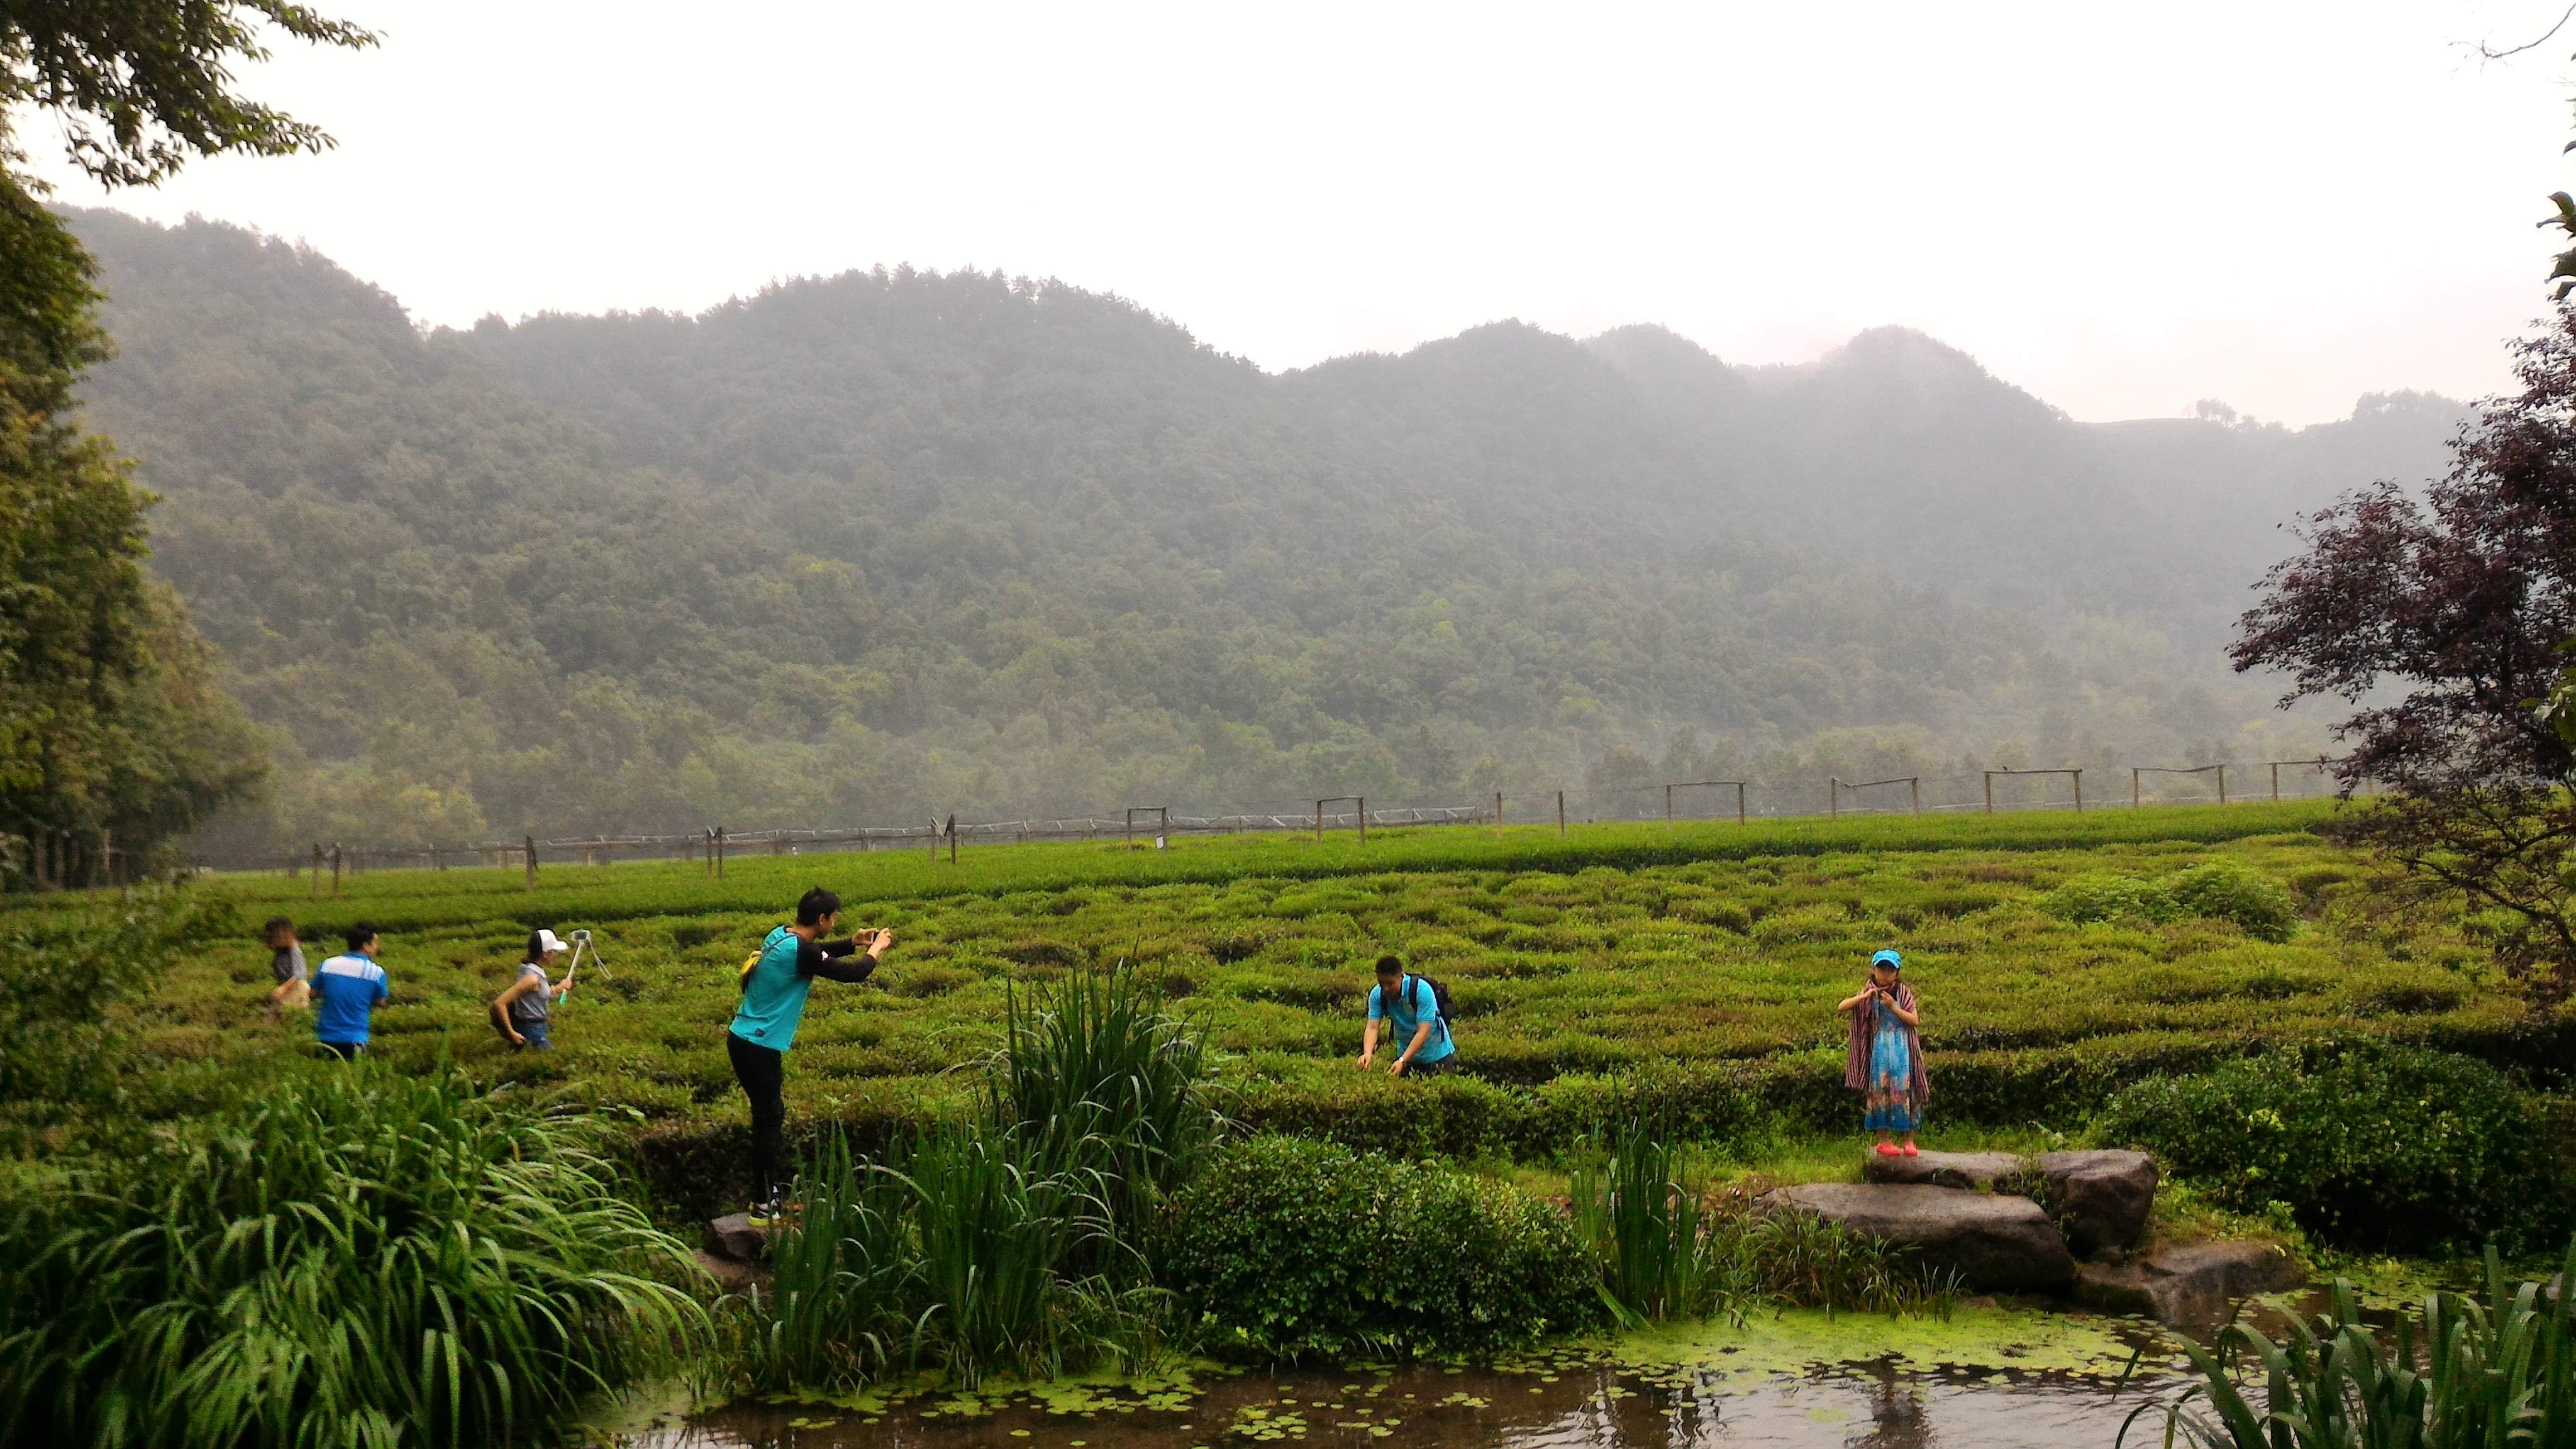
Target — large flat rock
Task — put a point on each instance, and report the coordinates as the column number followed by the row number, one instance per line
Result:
column 734, row 1239
column 1996, row 1243
column 1981, row 1170
column 2189, row 1285
column 2101, row 1199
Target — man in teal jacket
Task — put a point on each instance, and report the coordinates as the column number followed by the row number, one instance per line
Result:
column 764, row 1026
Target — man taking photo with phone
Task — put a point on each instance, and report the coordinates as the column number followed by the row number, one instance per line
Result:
column 774, row 984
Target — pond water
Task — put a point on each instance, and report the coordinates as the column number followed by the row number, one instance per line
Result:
column 1996, row 1378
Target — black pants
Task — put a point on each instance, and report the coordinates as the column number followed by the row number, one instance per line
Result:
column 347, row 1051
column 763, row 1074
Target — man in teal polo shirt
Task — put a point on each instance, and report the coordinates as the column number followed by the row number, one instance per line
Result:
column 764, row 1026
column 1409, row 1003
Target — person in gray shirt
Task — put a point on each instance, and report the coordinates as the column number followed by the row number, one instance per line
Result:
column 286, row 962
column 523, row 1010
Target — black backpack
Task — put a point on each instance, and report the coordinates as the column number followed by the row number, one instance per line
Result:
column 1440, row 1004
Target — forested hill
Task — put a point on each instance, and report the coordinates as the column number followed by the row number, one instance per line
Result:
column 866, row 547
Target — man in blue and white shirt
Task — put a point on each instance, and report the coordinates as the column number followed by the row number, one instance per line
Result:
column 345, row 992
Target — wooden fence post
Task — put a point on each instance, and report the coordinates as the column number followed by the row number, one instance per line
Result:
column 1560, row 813
column 1739, row 802
column 934, row 840
column 1362, row 802
column 2079, row 790
column 952, row 840
column 1990, row 792
column 1319, row 820
column 1498, row 812
column 313, row 885
column 335, row 868
column 1914, row 787
column 531, row 843
column 1833, row 797
column 2276, row 782
column 1668, row 807
column 2222, row 784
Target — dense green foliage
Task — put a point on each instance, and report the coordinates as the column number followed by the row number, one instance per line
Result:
column 1291, row 1249
column 2365, row 1143
column 2261, row 908
column 2460, row 1374
column 112, row 734
column 143, row 86
column 348, row 1256
column 865, row 547
column 67, row 994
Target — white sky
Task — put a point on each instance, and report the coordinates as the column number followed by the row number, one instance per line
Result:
column 2123, row 209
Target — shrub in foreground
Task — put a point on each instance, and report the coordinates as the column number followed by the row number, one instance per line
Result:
column 355, row 1258
column 1292, row 1249
column 2368, row 1144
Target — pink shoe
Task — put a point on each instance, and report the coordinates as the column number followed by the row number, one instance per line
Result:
column 1888, row 1149
column 1911, row 1150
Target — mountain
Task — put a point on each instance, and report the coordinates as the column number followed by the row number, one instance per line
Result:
column 891, row 542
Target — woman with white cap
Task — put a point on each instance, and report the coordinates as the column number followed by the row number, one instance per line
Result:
column 521, row 1011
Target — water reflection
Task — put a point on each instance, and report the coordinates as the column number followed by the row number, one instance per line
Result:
column 1860, row 1406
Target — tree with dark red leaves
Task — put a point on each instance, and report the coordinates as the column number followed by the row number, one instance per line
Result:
column 2463, row 599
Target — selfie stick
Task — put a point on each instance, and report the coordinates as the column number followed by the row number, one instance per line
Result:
column 581, row 943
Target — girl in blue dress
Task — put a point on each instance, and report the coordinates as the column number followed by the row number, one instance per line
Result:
column 1884, row 1062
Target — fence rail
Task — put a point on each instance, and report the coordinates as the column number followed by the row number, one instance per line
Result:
column 716, row 845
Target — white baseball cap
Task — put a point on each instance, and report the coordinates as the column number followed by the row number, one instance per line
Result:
column 548, row 943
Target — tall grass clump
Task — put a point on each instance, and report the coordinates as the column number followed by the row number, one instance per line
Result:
column 2459, row 1373
column 354, row 1257
column 840, row 1274
column 1646, row 1218
column 1097, row 1076
column 1010, row 1243
column 1801, row 1260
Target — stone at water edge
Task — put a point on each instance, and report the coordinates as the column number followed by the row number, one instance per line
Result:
column 2188, row 1285
column 730, row 1276
column 732, row 1237
column 2101, row 1198
column 1983, row 1170
column 1997, row 1244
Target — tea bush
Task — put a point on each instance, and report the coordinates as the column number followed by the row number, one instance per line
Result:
column 2367, row 1143
column 2223, row 890
column 1292, row 1249
column 2216, row 890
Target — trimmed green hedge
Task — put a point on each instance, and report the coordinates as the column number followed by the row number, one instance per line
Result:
column 2367, row 1143
column 1288, row 1249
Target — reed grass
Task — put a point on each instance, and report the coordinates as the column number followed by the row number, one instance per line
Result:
column 1007, row 1243
column 1645, row 1215
column 2459, row 1373
column 1097, row 1078
column 841, row 1272
column 1805, row 1261
column 356, row 1257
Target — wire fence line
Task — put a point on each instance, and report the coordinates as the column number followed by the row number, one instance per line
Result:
column 1985, row 790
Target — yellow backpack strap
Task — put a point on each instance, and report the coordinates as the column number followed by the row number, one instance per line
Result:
column 748, row 962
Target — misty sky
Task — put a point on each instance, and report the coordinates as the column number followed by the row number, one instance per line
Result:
column 2122, row 209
